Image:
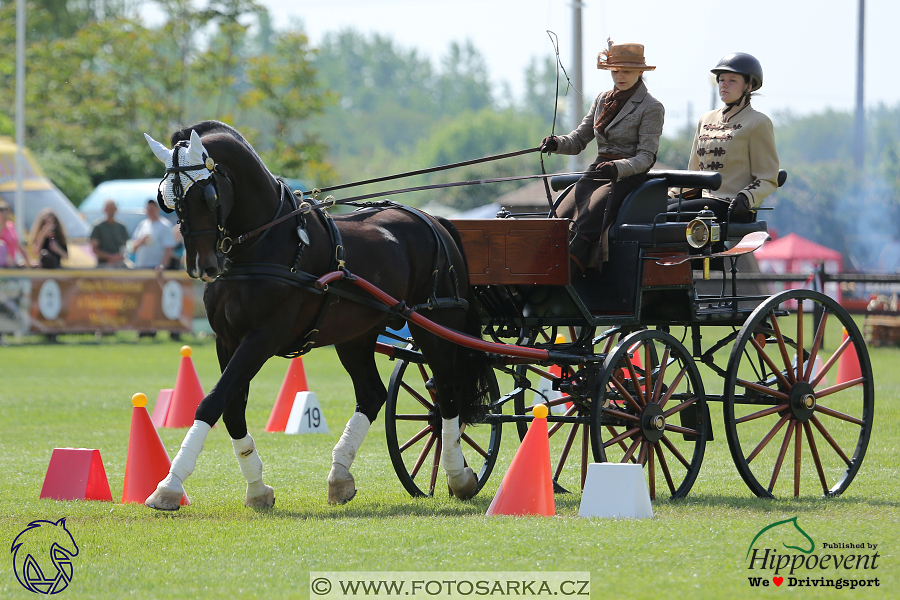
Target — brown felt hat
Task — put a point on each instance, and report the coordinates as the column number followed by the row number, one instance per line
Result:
column 623, row 56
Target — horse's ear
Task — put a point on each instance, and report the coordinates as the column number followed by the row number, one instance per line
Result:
column 195, row 150
column 160, row 151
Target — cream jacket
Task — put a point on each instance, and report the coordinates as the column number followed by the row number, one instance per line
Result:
column 634, row 133
column 742, row 149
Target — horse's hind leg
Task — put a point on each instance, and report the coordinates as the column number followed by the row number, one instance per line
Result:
column 358, row 358
column 259, row 495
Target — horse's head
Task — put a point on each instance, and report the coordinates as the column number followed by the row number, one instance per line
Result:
column 201, row 208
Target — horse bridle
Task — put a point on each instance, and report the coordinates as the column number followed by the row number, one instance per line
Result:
column 210, row 194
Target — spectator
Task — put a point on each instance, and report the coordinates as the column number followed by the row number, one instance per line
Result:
column 109, row 238
column 47, row 240
column 152, row 240
column 12, row 254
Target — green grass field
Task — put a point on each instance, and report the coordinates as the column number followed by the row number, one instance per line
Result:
column 77, row 394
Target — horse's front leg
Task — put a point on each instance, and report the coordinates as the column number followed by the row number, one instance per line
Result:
column 247, row 360
column 259, row 495
column 358, row 358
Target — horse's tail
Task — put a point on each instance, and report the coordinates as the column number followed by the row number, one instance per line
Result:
column 476, row 376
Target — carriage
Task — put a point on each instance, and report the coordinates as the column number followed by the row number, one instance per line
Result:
column 608, row 353
column 639, row 351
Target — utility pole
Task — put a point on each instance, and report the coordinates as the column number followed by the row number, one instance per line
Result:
column 859, row 125
column 575, row 100
column 20, row 119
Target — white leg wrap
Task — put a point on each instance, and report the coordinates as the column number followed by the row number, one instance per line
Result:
column 248, row 458
column 354, row 433
column 451, row 451
column 186, row 459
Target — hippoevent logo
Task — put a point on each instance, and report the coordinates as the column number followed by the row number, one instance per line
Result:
column 782, row 553
column 42, row 556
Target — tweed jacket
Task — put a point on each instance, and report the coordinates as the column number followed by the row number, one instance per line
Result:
column 742, row 149
column 633, row 133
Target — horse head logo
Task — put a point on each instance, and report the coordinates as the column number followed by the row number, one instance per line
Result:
column 787, row 531
column 42, row 556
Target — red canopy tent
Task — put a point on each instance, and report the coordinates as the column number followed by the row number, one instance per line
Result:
column 796, row 254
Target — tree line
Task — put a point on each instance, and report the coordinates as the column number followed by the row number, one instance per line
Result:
column 361, row 106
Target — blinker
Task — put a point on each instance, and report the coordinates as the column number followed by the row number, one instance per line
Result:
column 209, row 192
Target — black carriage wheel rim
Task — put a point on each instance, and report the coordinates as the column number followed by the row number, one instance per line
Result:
column 802, row 436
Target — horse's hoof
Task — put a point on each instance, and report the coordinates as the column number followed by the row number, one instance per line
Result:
column 464, row 484
column 341, row 485
column 266, row 499
column 164, row 499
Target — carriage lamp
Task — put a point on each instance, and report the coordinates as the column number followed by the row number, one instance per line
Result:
column 703, row 230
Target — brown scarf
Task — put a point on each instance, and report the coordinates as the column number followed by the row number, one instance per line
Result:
column 613, row 104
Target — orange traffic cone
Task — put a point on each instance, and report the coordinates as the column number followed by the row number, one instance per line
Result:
column 76, row 474
column 527, row 487
column 187, row 393
column 848, row 364
column 147, row 463
column 294, row 381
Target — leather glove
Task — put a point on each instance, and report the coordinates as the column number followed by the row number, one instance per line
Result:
column 549, row 144
column 739, row 209
column 607, row 170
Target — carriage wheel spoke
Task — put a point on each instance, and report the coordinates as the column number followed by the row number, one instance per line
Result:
column 651, row 472
column 631, row 449
column 625, row 394
column 622, row 414
column 771, row 364
column 820, row 333
column 671, row 390
column 565, row 452
column 614, row 434
column 558, row 425
column 830, row 362
column 681, row 430
column 839, row 387
column 782, row 348
column 815, row 454
column 665, row 469
column 417, row 396
column 634, row 380
column 665, row 440
column 761, row 388
column 422, row 455
column 782, row 451
column 642, row 454
column 414, row 417
column 768, row 437
column 800, row 339
column 838, row 415
column 622, row 436
column 435, row 466
column 425, row 431
column 648, row 370
column 473, row 444
column 763, row 413
column 657, row 390
column 679, row 408
column 798, row 441
column 829, row 439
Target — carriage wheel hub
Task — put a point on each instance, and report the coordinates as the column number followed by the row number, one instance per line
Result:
column 653, row 422
column 803, row 401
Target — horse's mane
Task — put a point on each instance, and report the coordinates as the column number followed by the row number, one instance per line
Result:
column 206, row 127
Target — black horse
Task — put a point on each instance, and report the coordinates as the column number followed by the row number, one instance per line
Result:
column 261, row 299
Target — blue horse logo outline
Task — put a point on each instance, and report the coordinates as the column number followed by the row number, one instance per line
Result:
column 38, row 546
column 792, row 521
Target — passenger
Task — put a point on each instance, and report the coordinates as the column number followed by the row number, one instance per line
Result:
column 627, row 123
column 13, row 253
column 47, row 240
column 738, row 142
column 109, row 238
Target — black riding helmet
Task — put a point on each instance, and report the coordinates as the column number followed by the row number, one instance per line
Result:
column 744, row 64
